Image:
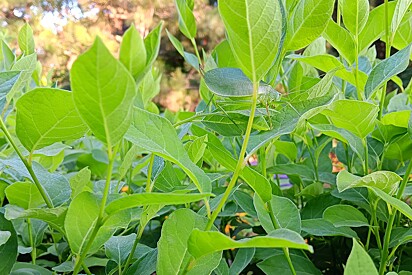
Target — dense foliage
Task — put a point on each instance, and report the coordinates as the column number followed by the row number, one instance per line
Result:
column 295, row 162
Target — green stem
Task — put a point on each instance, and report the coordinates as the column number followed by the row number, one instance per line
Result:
column 365, row 163
column 86, row 269
column 149, row 174
column 276, row 226
column 196, row 51
column 263, row 161
column 388, row 232
column 100, row 218
column 26, row 164
column 241, row 160
column 32, row 244
column 376, row 225
column 385, row 249
column 388, row 46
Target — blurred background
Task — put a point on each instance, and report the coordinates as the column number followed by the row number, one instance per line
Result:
column 65, row 28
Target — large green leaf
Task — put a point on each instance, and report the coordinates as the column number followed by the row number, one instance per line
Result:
column 103, row 92
column 341, row 40
column 81, row 219
column 142, row 199
column 26, row 40
column 202, row 243
column 187, row 21
column 8, row 250
column 173, row 256
column 24, row 194
column 80, row 182
column 254, row 33
column 355, row 14
column 7, row 56
column 386, row 69
column 403, row 35
column 384, row 180
column 359, row 262
column 308, row 21
column 355, row 116
column 243, row 257
column 155, row 134
column 284, row 211
column 46, row 116
column 345, row 215
column 133, row 52
column 232, row 82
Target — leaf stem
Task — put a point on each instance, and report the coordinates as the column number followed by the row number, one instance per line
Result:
column 241, row 160
column 197, row 52
column 28, row 166
column 149, row 186
column 100, row 218
column 366, row 163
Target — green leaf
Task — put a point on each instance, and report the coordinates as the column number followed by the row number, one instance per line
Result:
column 355, row 116
column 189, row 58
column 341, row 40
column 80, row 181
column 375, row 26
column 187, row 21
column 7, row 81
column 396, row 203
column 53, row 216
column 118, row 248
column 345, row 215
column 384, row 180
column 4, row 237
column 327, row 63
column 386, row 69
column 201, row 243
column 278, row 265
column 103, row 92
column 155, row 134
column 286, row 121
column 46, row 116
column 26, row 65
column 142, row 199
column 403, row 36
column 133, row 52
column 359, row 262
column 173, row 256
column 145, row 265
column 7, row 56
column 255, row 180
column 401, row 9
column 254, row 33
column 232, row 82
column 355, row 14
column 28, row 268
column 152, row 45
column 197, row 148
column 79, row 227
column 128, row 161
column 26, row 40
column 284, row 211
column 243, row 258
column 308, row 21
column 24, row 194
column 322, row 227
column 400, row 236
column 8, row 250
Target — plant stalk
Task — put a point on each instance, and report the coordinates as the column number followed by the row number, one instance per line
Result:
column 241, row 160
column 29, row 168
column 100, row 218
column 388, row 46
